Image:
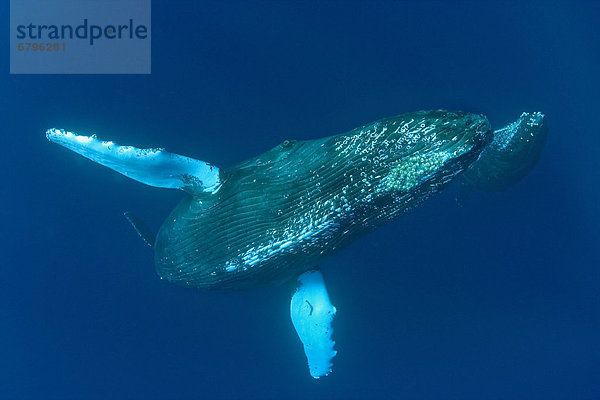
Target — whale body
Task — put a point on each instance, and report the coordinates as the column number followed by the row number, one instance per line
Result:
column 280, row 213
column 273, row 218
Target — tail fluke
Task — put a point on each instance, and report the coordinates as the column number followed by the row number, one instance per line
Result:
column 154, row 167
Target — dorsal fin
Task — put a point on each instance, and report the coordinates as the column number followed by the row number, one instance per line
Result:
column 154, row 167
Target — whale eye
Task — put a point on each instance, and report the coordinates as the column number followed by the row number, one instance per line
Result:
column 287, row 143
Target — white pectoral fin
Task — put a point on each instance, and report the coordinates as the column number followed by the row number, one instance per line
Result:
column 312, row 314
column 154, row 167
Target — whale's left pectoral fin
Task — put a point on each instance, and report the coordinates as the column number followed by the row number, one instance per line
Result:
column 154, row 167
column 312, row 314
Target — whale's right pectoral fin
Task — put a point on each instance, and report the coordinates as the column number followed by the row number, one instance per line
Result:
column 312, row 314
column 154, row 167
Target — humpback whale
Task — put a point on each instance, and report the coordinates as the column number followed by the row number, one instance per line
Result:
column 273, row 218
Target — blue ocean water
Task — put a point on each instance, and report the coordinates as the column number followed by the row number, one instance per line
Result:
column 496, row 299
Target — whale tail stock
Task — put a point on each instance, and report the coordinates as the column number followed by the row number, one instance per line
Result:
column 154, row 167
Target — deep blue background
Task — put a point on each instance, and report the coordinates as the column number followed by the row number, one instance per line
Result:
column 497, row 299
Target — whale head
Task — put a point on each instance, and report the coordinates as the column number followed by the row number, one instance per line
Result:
column 406, row 157
column 397, row 153
column 393, row 164
column 402, row 153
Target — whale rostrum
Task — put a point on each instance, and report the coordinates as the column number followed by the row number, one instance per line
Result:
column 273, row 218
